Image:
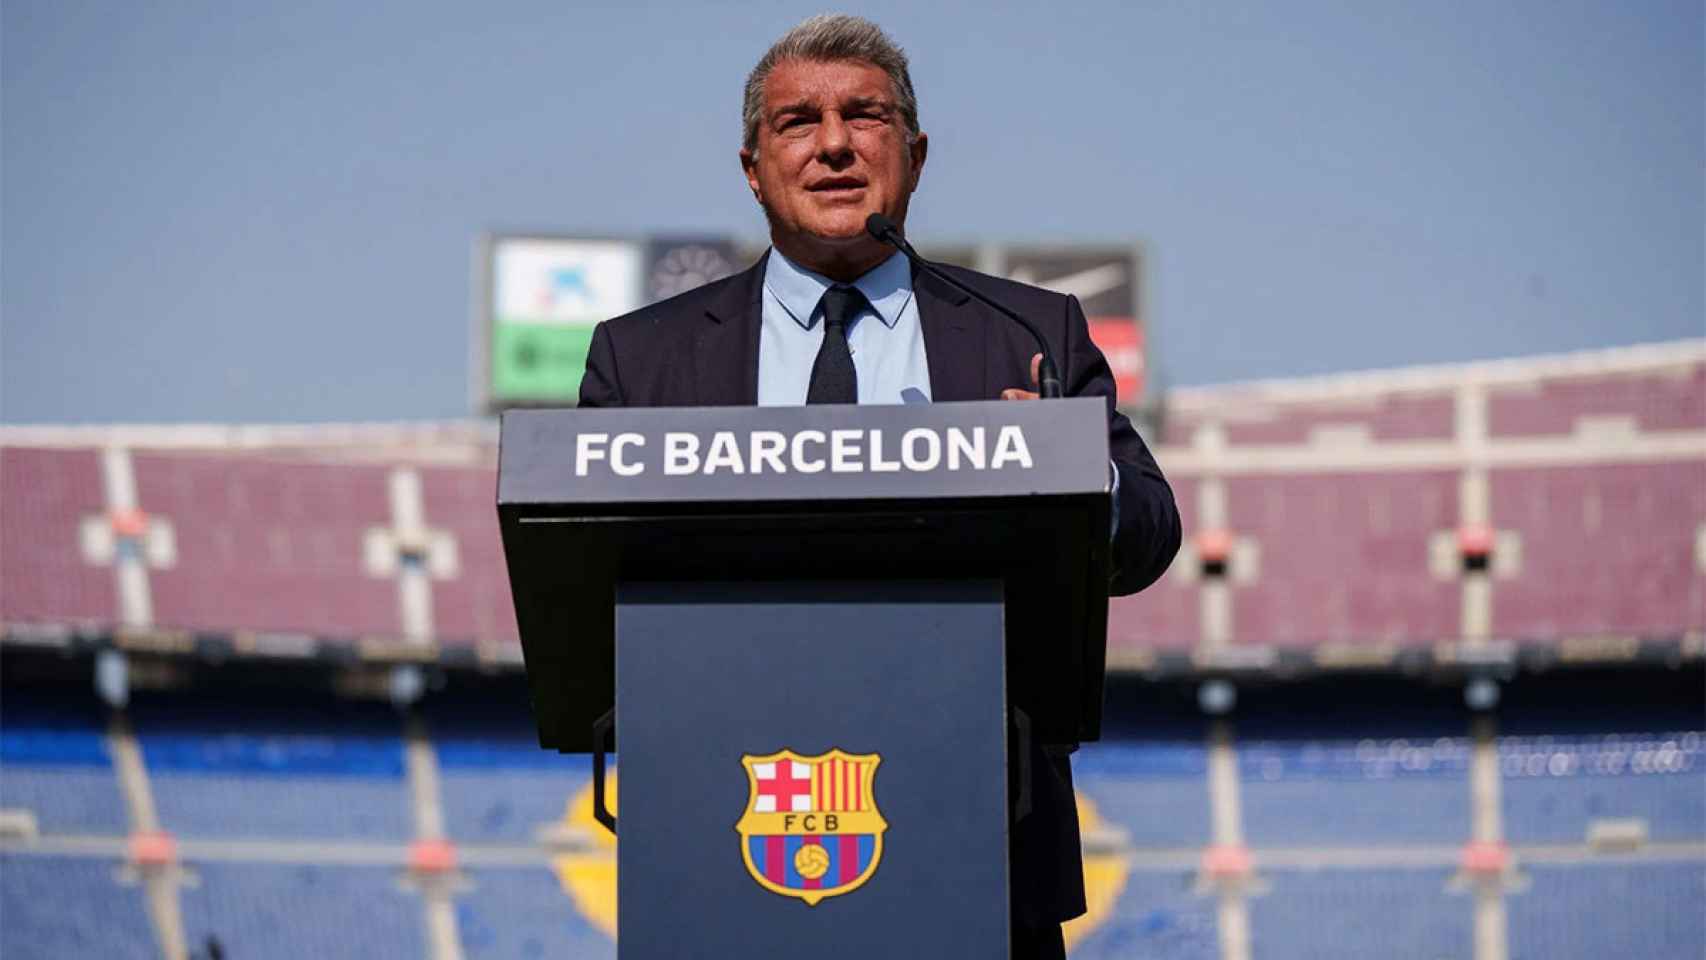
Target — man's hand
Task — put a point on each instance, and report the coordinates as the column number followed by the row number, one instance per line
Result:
column 1014, row 393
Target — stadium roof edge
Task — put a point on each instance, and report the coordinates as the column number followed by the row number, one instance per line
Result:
column 1211, row 398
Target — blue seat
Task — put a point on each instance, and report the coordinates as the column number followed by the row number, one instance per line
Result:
column 54, row 763
column 504, row 789
column 1153, row 791
column 1555, row 787
column 283, row 806
column 276, row 771
column 291, row 911
column 1354, row 914
column 1609, row 909
column 1343, row 792
column 524, row 914
column 71, row 907
column 1159, row 915
column 1332, row 813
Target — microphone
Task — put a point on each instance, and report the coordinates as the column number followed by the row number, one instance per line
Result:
column 1048, row 376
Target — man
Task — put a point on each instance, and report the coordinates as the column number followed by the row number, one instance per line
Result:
column 831, row 315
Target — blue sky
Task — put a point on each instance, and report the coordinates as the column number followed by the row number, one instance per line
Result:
column 265, row 212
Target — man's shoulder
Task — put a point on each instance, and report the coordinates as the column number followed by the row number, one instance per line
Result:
column 728, row 293
column 1003, row 290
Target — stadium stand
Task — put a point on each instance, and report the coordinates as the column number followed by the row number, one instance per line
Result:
column 1311, row 528
column 49, row 579
column 1602, row 549
column 1160, row 914
column 491, row 802
column 1321, row 515
column 1354, row 504
column 516, row 914
column 1402, row 914
column 1153, row 790
column 1610, row 910
column 217, row 766
column 58, row 906
column 1167, row 616
column 313, row 685
column 55, row 768
column 1557, row 788
column 250, row 878
column 1402, row 809
column 469, row 608
column 1672, row 398
column 286, row 911
column 497, row 783
column 1396, row 767
column 275, row 546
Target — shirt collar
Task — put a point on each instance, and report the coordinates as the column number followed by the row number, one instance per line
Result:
column 888, row 286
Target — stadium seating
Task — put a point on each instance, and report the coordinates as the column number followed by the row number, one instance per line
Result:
column 1555, row 787
column 71, row 907
column 1673, row 399
column 495, row 803
column 269, row 544
column 289, row 808
column 1160, row 914
column 288, row 911
column 1602, row 540
column 54, row 766
column 1604, row 548
column 1334, row 914
column 1313, row 529
column 1388, row 791
column 1338, row 546
column 1609, row 909
column 1344, row 492
column 1394, row 417
column 495, row 784
column 316, row 770
column 1168, row 615
column 1152, row 791
column 326, row 779
column 48, row 494
column 474, row 605
column 522, row 914
column 1409, row 810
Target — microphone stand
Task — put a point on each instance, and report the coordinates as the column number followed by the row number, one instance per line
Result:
column 1048, row 375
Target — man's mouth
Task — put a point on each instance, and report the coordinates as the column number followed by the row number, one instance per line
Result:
column 837, row 186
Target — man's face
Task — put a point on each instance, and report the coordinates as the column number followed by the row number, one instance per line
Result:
column 831, row 151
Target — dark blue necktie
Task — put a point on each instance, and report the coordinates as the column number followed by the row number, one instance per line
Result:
column 833, row 378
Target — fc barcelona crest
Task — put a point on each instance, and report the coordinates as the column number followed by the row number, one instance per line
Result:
column 811, row 828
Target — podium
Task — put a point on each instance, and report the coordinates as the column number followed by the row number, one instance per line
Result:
column 828, row 638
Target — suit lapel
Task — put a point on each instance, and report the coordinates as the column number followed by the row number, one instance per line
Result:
column 725, row 347
column 955, row 341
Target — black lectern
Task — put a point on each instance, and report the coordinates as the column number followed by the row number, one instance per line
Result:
column 816, row 629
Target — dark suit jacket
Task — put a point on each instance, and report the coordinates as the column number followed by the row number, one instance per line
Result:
column 701, row 349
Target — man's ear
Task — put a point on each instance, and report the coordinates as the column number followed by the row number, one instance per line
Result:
column 749, row 166
column 919, row 149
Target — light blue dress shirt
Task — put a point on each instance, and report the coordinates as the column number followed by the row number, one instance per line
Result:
column 887, row 342
column 887, row 346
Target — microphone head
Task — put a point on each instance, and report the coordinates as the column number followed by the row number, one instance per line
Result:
column 880, row 226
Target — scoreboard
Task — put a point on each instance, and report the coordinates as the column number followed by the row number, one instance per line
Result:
column 538, row 297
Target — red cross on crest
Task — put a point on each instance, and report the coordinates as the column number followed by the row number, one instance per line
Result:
column 785, row 786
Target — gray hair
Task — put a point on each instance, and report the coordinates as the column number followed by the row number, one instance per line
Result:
column 829, row 37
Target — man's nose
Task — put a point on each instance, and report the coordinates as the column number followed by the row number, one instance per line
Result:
column 833, row 144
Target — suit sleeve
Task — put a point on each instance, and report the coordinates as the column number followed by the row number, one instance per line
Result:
column 600, row 386
column 1147, row 537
